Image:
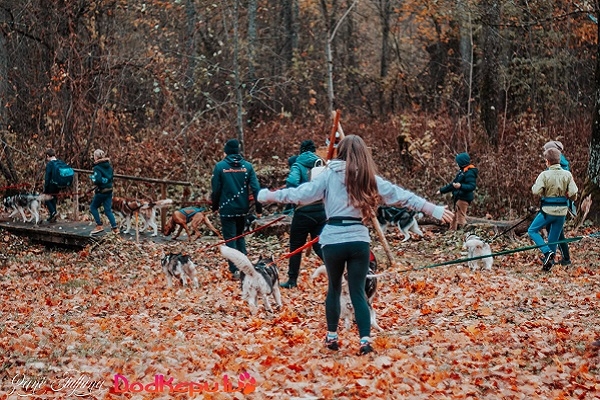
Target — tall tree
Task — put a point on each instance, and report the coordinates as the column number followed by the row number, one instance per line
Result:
column 593, row 171
column 490, row 15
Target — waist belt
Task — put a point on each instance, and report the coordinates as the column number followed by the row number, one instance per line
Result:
column 344, row 221
column 554, row 201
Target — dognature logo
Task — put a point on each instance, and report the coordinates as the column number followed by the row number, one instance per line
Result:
column 245, row 384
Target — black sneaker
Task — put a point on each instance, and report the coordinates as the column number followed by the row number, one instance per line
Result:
column 564, row 262
column 52, row 217
column 548, row 261
column 332, row 344
column 289, row 284
column 365, row 349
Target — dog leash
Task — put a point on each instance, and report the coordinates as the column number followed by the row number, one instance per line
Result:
column 517, row 250
column 513, row 227
column 298, row 250
column 242, row 235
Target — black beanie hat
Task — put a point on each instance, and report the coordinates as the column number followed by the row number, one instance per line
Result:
column 307, row 145
column 232, row 147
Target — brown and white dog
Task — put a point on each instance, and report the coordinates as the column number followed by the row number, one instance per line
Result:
column 31, row 202
column 190, row 219
column 127, row 208
column 346, row 307
column 179, row 266
column 258, row 280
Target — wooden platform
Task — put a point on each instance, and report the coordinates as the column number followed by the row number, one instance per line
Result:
column 68, row 233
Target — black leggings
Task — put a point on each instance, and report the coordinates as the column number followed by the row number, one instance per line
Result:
column 354, row 256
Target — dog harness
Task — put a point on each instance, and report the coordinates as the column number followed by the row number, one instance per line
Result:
column 189, row 212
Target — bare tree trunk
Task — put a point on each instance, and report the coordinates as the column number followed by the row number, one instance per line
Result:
column 385, row 12
column 6, row 164
column 490, row 68
column 236, row 70
column 252, row 9
column 592, row 185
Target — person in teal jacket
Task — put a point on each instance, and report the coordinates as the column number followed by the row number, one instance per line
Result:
column 102, row 178
column 233, row 182
column 462, row 187
column 308, row 219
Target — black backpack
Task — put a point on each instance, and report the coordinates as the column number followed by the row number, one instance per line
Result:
column 62, row 174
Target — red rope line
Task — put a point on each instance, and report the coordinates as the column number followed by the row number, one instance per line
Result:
column 242, row 235
column 298, row 250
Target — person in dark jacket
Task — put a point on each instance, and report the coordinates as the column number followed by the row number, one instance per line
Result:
column 102, row 178
column 462, row 187
column 233, row 181
column 49, row 187
column 308, row 219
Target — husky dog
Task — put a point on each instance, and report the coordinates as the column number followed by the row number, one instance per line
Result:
column 179, row 266
column 346, row 307
column 259, row 280
column 26, row 201
column 403, row 218
column 127, row 208
column 477, row 248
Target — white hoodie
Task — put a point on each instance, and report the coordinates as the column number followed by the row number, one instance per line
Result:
column 331, row 188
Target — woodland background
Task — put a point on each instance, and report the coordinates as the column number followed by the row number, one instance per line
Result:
column 161, row 85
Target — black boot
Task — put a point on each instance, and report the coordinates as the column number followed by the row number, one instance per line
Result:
column 291, row 283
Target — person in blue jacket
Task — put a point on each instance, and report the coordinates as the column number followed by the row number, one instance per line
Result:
column 233, row 182
column 462, row 187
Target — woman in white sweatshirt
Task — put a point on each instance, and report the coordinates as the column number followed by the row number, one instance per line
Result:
column 351, row 192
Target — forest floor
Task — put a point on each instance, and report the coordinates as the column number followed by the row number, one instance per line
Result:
column 74, row 322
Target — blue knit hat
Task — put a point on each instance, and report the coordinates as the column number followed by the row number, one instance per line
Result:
column 463, row 160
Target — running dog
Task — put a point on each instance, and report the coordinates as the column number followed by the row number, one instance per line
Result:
column 258, row 280
column 346, row 307
column 127, row 208
column 190, row 219
column 31, row 202
column 179, row 266
column 478, row 248
column 403, row 218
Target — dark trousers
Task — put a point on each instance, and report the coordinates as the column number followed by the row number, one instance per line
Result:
column 304, row 224
column 51, row 204
column 355, row 257
column 105, row 200
column 230, row 228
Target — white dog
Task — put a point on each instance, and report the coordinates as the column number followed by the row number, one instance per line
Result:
column 478, row 248
column 346, row 307
column 258, row 280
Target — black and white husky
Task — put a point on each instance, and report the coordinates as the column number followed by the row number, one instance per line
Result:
column 20, row 203
column 403, row 218
column 346, row 307
column 179, row 266
column 258, row 280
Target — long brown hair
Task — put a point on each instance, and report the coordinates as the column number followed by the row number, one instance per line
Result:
column 360, row 175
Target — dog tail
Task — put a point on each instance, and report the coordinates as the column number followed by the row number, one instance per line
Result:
column 239, row 259
column 322, row 270
column 158, row 203
column 44, row 197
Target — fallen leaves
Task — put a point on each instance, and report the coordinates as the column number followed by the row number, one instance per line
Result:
column 449, row 332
